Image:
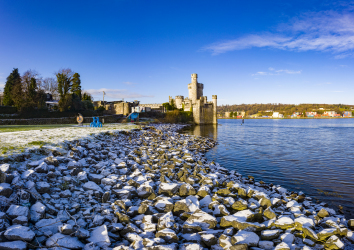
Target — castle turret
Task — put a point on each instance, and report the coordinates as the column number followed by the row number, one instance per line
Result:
column 195, row 89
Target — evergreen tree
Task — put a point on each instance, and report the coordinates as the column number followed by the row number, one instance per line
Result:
column 76, row 85
column 18, row 95
column 32, row 93
column 13, row 79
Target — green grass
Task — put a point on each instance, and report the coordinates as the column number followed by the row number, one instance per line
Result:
column 16, row 128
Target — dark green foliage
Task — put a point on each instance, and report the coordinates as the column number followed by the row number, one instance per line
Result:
column 18, row 96
column 87, row 104
column 87, row 97
column 7, row 110
column 13, row 79
column 64, row 84
column 168, row 106
column 177, row 116
column 76, row 85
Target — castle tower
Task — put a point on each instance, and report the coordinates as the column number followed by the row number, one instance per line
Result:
column 195, row 89
column 215, row 104
column 178, row 101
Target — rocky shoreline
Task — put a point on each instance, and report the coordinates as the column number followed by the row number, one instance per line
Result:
column 154, row 189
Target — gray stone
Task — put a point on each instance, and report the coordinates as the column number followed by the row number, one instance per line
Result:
column 37, row 211
column 48, row 225
column 5, row 189
column 100, row 236
column 18, row 232
column 61, row 240
column 42, row 168
column 15, row 211
column 13, row 245
column 90, row 185
column 43, row 187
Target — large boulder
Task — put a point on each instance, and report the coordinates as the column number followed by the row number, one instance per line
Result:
column 199, row 221
column 240, row 220
column 168, row 189
column 13, row 245
column 168, row 235
column 65, row 241
column 245, row 237
column 18, row 232
column 15, row 211
column 100, row 237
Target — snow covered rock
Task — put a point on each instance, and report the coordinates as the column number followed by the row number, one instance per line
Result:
column 18, row 232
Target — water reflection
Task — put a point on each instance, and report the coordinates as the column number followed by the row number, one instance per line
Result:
column 313, row 156
column 210, row 131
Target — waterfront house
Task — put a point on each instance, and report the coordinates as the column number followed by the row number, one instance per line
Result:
column 330, row 113
column 347, row 113
column 296, row 115
column 277, row 115
column 311, row 114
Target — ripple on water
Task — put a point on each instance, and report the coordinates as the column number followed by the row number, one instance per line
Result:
column 311, row 155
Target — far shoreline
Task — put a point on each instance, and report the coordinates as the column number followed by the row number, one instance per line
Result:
column 270, row 118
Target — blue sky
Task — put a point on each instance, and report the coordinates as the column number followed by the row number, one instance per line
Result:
column 243, row 51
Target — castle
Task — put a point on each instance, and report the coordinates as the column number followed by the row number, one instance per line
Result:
column 204, row 112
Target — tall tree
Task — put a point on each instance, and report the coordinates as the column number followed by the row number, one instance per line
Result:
column 87, row 96
column 64, row 79
column 13, row 79
column 76, row 85
column 18, row 95
column 32, row 93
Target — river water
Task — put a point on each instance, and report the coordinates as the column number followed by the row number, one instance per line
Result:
column 315, row 156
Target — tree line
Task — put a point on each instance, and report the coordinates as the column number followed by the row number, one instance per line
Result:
column 286, row 109
column 30, row 90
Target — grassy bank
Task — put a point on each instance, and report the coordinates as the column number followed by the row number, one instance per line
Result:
column 17, row 128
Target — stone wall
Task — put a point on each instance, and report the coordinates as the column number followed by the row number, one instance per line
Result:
column 64, row 120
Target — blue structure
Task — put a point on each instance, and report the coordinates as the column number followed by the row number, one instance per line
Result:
column 96, row 123
column 133, row 117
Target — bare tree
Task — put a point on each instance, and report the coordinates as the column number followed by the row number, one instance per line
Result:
column 26, row 79
column 50, row 85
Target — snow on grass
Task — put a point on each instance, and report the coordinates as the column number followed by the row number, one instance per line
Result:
column 18, row 142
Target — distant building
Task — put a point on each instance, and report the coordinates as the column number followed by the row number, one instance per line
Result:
column 204, row 111
column 311, row 114
column 241, row 113
column 227, row 114
column 330, row 113
column 275, row 115
column 296, row 115
column 347, row 113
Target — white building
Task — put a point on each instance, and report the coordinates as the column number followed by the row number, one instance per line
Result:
column 276, row 115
